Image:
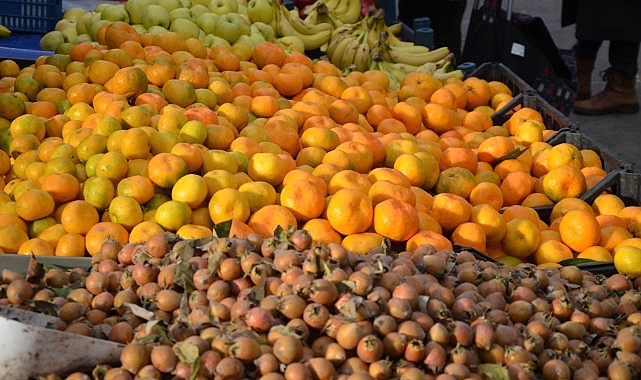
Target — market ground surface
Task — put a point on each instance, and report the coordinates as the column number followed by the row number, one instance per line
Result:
column 620, row 134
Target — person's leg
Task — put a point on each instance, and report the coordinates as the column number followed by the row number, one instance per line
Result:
column 585, row 52
column 623, row 57
column 619, row 94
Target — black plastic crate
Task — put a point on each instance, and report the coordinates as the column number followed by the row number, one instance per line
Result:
column 602, row 268
column 37, row 16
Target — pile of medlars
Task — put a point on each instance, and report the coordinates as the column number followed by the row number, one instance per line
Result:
column 280, row 308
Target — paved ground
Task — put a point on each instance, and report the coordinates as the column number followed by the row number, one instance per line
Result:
column 620, row 134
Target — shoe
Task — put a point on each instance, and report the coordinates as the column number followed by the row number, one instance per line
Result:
column 618, row 96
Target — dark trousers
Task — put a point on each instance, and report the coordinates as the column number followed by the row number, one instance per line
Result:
column 623, row 55
column 446, row 16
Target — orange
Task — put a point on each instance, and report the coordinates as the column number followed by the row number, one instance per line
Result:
column 62, row 187
column 552, row 251
column 435, row 239
column 34, row 204
column 458, row 157
column 520, row 212
column 304, row 199
column 565, row 205
column 125, row 211
column 596, row 253
column 477, row 120
column 491, row 221
column 113, row 166
column 537, row 200
column 283, row 131
column 470, row 235
column 386, row 215
column 128, row 81
column 444, row 97
column 268, row 53
column 320, row 137
column 349, row 179
column 268, row 167
column 101, row 232
column 515, row 187
column 565, row 154
column 138, row 187
column 495, row 147
column 36, row 246
column 456, row 180
column 382, row 189
column 522, row 115
column 321, row 231
column 611, row 236
column 142, row 231
column 627, row 261
column 171, row 215
column 413, row 167
column 78, row 217
column 179, row 92
column 191, row 189
column 166, row 168
column 409, row 115
column 505, row 167
column 521, row 238
column 579, row 230
column 227, row 204
column 450, row 210
column 591, row 158
column 11, row 238
column 438, row 118
column 99, row 192
column 350, row 211
column 265, row 220
column 564, row 182
column 488, row 193
column 361, row 243
column 478, row 92
column 608, row 204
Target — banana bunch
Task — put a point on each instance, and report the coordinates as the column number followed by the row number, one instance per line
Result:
column 347, row 11
column 4, row 31
column 349, row 48
column 288, row 23
column 319, row 13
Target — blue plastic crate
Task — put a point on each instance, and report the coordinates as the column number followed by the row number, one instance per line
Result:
column 37, row 16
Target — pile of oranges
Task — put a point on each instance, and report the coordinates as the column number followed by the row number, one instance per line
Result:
column 126, row 137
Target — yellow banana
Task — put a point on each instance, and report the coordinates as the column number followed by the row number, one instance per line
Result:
column 395, row 29
column 363, row 57
column 311, row 41
column 339, row 35
column 392, row 40
column 300, row 25
column 4, row 31
column 348, row 11
column 341, row 49
column 414, row 57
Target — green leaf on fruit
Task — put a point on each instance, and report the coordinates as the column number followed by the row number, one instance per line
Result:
column 44, row 307
column 187, row 352
column 515, row 153
column 222, row 229
column 184, row 276
column 576, row 261
column 494, row 372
